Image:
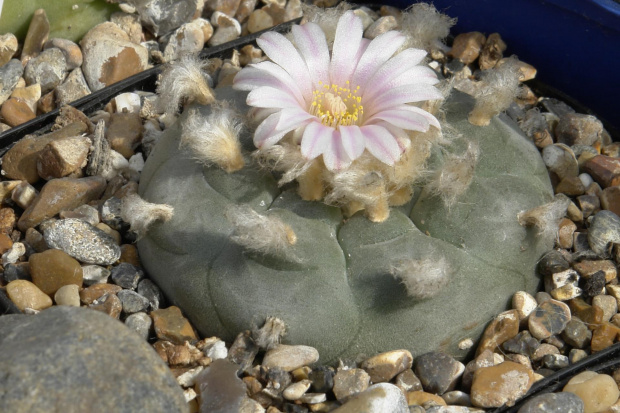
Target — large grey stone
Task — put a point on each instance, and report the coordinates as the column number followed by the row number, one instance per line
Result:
column 342, row 299
column 69, row 359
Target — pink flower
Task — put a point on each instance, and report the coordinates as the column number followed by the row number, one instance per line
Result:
column 354, row 99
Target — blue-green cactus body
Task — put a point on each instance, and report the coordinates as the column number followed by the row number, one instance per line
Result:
column 340, row 296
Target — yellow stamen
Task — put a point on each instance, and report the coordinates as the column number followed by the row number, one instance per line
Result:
column 330, row 107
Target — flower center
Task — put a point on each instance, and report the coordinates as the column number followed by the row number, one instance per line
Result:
column 335, row 105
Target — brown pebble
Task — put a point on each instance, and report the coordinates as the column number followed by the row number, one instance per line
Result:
column 47, row 103
column 420, row 398
column 16, row 111
column 492, row 52
column 571, row 186
column 170, row 325
column 503, row 327
column 25, row 294
column 576, row 128
column 8, row 219
column 96, row 291
column 467, row 46
column 604, row 336
column 37, row 35
column 109, row 304
column 592, row 316
column 59, row 195
column 587, row 268
column 60, row 158
column 20, row 162
column 129, row 254
column 124, row 132
column 604, row 169
column 385, row 366
column 565, row 233
column 610, row 199
column 52, row 269
column 5, row 243
column 500, row 385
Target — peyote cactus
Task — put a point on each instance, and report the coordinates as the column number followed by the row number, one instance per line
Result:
column 424, row 267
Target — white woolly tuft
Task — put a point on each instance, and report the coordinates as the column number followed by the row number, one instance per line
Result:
column 270, row 334
column 141, row 214
column 425, row 27
column 214, row 139
column 183, row 82
column 423, row 278
column 499, row 90
column 455, row 175
column 546, row 217
column 326, row 18
column 284, row 157
column 262, row 234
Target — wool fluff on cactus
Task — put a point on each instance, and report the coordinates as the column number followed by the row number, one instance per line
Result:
column 350, row 109
column 376, row 219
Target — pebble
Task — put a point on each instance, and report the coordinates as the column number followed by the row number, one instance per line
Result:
column 216, row 350
column 380, row 26
column 560, row 279
column 523, row 343
column 604, row 336
column 378, row 398
column 47, row 69
column 604, row 169
column 219, row 387
column 385, row 366
column 68, row 295
column 8, row 47
column 17, row 271
column 543, row 350
column 500, row 385
column 82, row 241
column 243, row 350
column 90, row 294
column 296, row 390
column 576, row 333
column 29, row 94
column 578, row 129
column 594, row 285
column 25, row 294
column 71, row 51
column 348, row 383
column 561, row 160
column 552, row 262
column 587, row 268
column 24, row 194
column 226, row 29
column 53, row 269
column 565, row 233
column 84, row 212
column 289, row 358
column 555, row 361
column 422, row 398
column 16, row 111
column 610, row 199
column 62, row 157
column 492, row 52
column 571, row 186
column 73, row 88
column 467, row 46
column 124, row 132
column 130, row 24
column 170, row 325
column 576, row 355
column 127, row 102
column 322, row 378
column 160, row 16
column 109, row 56
column 549, row 318
column 38, row 32
column 503, row 327
column 553, row 403
column 604, row 230
column 597, row 391
column 259, row 20
column 607, row 303
column 141, row 323
column 79, row 360
column 127, row 276
column 132, row 301
column 151, row 292
column 95, row 274
column 10, row 74
column 61, row 194
column 438, row 372
column 109, row 304
column 187, row 39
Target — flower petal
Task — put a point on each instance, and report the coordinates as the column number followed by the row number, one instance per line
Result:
column 335, row 156
column 381, row 143
column 401, row 63
column 346, row 45
column 270, row 97
column 283, row 53
column 380, row 49
column 265, row 134
column 293, row 117
column 315, row 139
column 352, row 140
column 404, row 119
column 310, row 41
column 404, row 94
column 267, row 74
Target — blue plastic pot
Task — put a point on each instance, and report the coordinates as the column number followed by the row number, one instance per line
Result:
column 574, row 44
